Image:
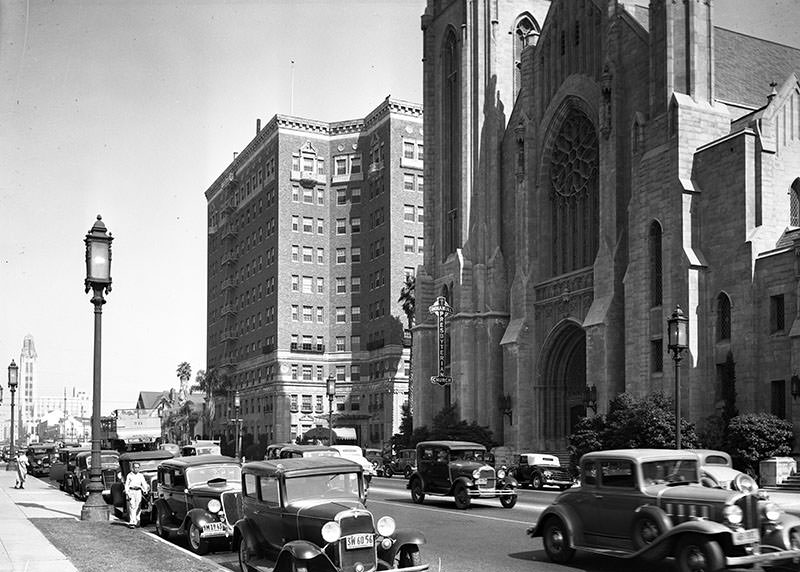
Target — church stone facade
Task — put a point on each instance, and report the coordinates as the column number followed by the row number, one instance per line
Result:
column 590, row 165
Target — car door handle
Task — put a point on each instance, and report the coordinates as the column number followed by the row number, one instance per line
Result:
column 597, row 496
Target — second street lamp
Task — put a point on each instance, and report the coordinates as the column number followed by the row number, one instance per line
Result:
column 678, row 342
column 13, row 381
column 98, row 280
column 237, row 406
column 330, row 389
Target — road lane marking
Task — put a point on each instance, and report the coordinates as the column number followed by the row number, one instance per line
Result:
column 458, row 512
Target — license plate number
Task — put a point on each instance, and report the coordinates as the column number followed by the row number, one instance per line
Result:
column 354, row 541
column 482, row 481
column 213, row 528
column 746, row 536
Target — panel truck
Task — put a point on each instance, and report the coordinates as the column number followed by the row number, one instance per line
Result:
column 132, row 430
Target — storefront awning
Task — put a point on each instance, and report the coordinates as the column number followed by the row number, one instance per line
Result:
column 345, row 433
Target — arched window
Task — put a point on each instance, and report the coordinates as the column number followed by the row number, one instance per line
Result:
column 655, row 265
column 794, row 203
column 451, row 145
column 525, row 33
column 723, row 317
column 575, row 205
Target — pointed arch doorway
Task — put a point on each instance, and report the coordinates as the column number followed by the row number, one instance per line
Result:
column 564, row 380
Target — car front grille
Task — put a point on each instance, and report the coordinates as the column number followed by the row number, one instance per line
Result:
column 356, row 522
column 231, row 505
column 109, row 478
column 488, row 474
column 750, row 512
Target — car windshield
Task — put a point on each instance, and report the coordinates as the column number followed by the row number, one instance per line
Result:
column 105, row 461
column 320, row 453
column 201, row 475
column 339, row 486
column 669, row 471
column 148, row 465
column 468, row 455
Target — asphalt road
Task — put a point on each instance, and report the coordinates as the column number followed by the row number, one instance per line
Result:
column 486, row 537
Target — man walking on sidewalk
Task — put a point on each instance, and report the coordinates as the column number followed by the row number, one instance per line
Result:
column 135, row 485
column 22, row 469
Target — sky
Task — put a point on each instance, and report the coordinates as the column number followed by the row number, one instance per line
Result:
column 131, row 110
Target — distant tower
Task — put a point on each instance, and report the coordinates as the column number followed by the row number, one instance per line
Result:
column 26, row 396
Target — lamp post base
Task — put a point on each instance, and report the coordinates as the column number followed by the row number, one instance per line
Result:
column 95, row 508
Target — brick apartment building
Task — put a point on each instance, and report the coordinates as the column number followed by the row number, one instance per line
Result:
column 311, row 231
column 591, row 165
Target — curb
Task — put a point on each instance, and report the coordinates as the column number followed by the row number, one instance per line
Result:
column 197, row 557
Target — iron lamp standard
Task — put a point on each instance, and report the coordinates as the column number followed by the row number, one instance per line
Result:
column 13, row 381
column 98, row 280
column 678, row 336
column 237, row 404
column 330, row 389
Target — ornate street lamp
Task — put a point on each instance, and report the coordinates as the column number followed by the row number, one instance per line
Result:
column 330, row 389
column 442, row 310
column 237, row 405
column 13, row 381
column 590, row 398
column 506, row 407
column 98, row 280
column 678, row 336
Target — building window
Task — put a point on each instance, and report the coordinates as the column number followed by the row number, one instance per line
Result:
column 408, row 149
column 320, row 255
column 776, row 316
column 420, row 183
column 355, row 372
column 307, row 376
column 341, row 256
column 420, row 214
column 295, row 253
column 656, row 277
column 341, row 226
column 355, row 284
column 340, row 376
column 355, row 195
column 341, row 315
column 295, row 282
column 341, row 196
column 295, row 194
column 308, row 254
column 355, row 314
column 408, row 182
column 320, row 314
column 408, row 213
column 341, row 285
column 295, row 313
column 308, row 196
column 355, row 343
column 295, row 223
column 355, row 224
column 320, row 285
column 339, row 343
column 355, row 254
column 320, row 226
column 307, row 313
column 657, row 356
column 408, row 244
column 420, row 244
column 723, row 317
column 308, row 285
column 340, row 165
column 320, row 196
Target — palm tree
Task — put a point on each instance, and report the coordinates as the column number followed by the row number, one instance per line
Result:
column 409, row 301
column 184, row 373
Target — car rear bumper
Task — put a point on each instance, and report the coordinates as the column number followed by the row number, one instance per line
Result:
column 769, row 555
column 491, row 493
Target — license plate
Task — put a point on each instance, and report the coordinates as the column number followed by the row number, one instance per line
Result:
column 482, row 481
column 746, row 536
column 354, row 541
column 213, row 528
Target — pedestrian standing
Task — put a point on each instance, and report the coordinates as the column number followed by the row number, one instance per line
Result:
column 135, row 486
column 22, row 469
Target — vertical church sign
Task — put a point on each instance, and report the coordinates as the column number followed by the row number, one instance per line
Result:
column 441, row 309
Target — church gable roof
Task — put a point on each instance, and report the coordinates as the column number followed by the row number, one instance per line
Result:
column 745, row 66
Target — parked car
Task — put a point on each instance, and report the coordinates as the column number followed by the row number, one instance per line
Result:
column 354, row 453
column 197, row 498
column 406, row 462
column 298, row 451
column 69, row 456
column 148, row 466
column 309, row 514
column 458, row 469
column 109, row 473
column 274, row 450
column 537, row 470
column 40, row 458
column 201, row 448
column 646, row 504
column 716, row 470
column 173, row 448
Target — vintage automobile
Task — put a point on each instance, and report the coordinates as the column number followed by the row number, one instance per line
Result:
column 68, row 456
column 537, row 471
column 109, row 473
column 299, row 451
column 148, row 466
column 309, row 514
column 354, row 453
column 173, row 448
column 274, row 450
column 649, row 504
column 197, row 498
column 40, row 458
column 716, row 470
column 201, row 448
column 459, row 469
column 380, row 462
column 406, row 462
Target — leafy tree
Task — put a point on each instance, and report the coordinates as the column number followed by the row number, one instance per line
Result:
column 409, row 303
column 402, row 439
column 586, row 438
column 753, row 437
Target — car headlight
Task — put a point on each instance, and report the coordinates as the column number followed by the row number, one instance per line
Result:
column 772, row 511
column 476, row 474
column 331, row 532
column 733, row 514
column 501, row 473
column 214, row 506
column 745, row 483
column 385, row 526
column 548, row 474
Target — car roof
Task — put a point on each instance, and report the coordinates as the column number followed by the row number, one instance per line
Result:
column 452, row 444
column 642, row 454
column 146, row 455
column 88, row 452
column 198, row 460
column 42, row 446
column 307, row 448
column 302, row 466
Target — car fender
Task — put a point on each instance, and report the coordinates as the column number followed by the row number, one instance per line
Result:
column 245, row 529
column 199, row 516
column 401, row 537
column 779, row 536
column 508, row 482
column 302, row 550
column 462, row 480
column 415, row 474
column 162, row 506
column 567, row 516
column 118, row 494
